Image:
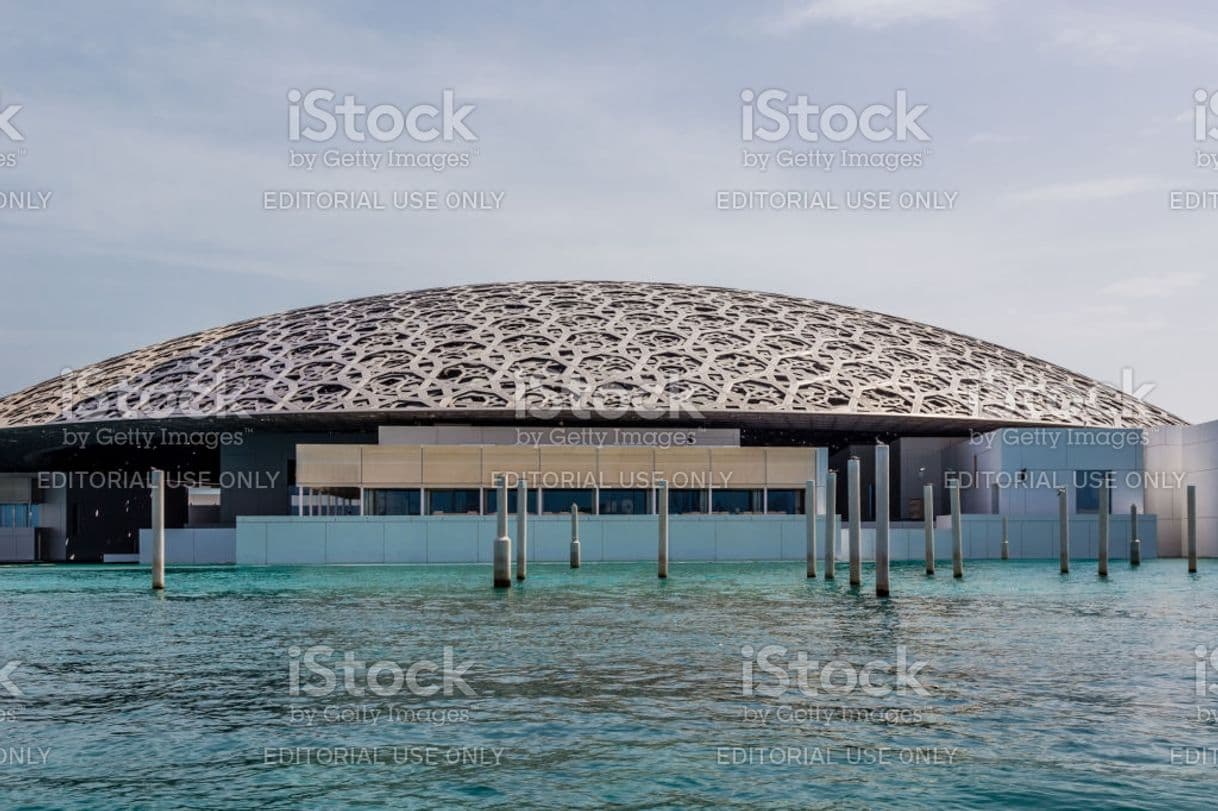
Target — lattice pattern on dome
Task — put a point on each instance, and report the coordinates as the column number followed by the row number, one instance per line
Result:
column 635, row 346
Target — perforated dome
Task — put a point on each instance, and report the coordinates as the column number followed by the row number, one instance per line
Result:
column 501, row 348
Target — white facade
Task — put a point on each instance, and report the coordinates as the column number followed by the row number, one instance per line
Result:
column 1176, row 457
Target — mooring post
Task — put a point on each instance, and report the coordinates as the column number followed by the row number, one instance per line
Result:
column 928, row 525
column 574, row 536
column 522, row 528
column 831, row 532
column 1063, row 529
column 957, row 532
column 1105, row 507
column 855, row 498
column 1006, row 538
column 881, row 521
column 810, row 524
column 503, row 544
column 662, row 529
column 158, row 530
column 1135, row 543
column 1192, row 528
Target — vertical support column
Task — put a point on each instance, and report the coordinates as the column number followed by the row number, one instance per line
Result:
column 928, row 525
column 1135, row 543
column 881, row 521
column 1192, row 528
column 662, row 530
column 503, row 544
column 1063, row 529
column 855, row 498
column 575, row 561
column 1105, row 507
column 810, row 523
column 831, row 533
column 158, row 530
column 522, row 528
column 957, row 532
column 1006, row 538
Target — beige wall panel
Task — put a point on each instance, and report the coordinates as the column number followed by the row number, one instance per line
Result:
column 789, row 467
column 508, row 459
column 684, row 467
column 452, row 466
column 320, row 465
column 393, row 465
column 564, row 459
column 738, row 467
column 628, row 468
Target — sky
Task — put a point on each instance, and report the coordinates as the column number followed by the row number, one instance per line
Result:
column 1050, row 140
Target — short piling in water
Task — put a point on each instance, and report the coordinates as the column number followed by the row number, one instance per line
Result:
column 957, row 532
column 928, row 525
column 1105, row 507
column 831, row 532
column 503, row 544
column 575, row 536
column 1006, row 538
column 855, row 498
column 662, row 531
column 1135, row 543
column 158, row 530
column 1191, row 513
column 522, row 529
column 1063, row 530
column 810, row 525
column 881, row 521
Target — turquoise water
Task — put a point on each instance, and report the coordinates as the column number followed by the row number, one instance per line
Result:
column 605, row 686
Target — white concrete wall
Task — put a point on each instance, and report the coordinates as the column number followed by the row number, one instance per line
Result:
column 213, row 545
column 293, row 540
column 1175, row 458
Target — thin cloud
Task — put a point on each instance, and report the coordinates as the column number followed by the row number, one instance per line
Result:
column 880, row 13
column 1160, row 286
column 1086, row 190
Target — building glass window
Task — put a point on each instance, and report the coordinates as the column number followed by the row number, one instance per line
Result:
column 623, row 502
column 453, row 502
column 736, row 501
column 1087, row 484
column 686, row 501
column 560, row 501
column 393, row 502
column 490, row 498
column 788, row 502
column 18, row 515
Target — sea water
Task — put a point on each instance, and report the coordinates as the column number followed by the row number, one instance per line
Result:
column 728, row 684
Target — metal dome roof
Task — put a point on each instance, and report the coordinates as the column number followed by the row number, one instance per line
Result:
column 529, row 347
